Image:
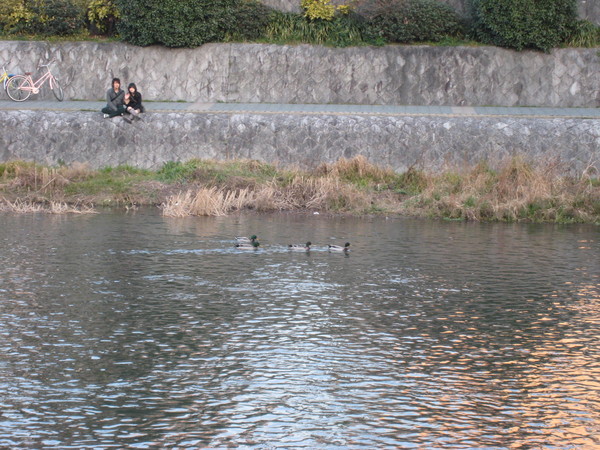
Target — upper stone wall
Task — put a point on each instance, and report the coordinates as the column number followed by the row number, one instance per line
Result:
column 590, row 10
column 284, row 5
column 406, row 75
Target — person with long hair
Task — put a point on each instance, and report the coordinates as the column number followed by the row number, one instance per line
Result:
column 133, row 101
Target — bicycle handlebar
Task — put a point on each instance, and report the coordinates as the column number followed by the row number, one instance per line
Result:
column 52, row 61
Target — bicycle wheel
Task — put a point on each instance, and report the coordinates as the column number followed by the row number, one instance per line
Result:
column 18, row 88
column 57, row 90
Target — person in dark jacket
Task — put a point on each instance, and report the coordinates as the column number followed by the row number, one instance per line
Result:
column 114, row 100
column 133, row 101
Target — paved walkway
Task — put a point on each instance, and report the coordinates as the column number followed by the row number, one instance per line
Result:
column 275, row 108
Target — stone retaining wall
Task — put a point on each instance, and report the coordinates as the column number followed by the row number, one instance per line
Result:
column 399, row 142
column 590, row 10
column 406, row 75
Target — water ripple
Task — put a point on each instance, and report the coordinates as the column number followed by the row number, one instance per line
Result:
column 140, row 331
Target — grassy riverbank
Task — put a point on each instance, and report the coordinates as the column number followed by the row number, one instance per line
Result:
column 517, row 191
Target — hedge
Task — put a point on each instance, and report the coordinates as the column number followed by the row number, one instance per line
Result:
column 407, row 21
column 520, row 24
column 175, row 23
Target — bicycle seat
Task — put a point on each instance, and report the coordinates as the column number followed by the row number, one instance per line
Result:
column 27, row 73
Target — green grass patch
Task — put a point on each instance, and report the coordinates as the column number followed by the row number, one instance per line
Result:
column 83, row 36
column 215, row 171
column 125, row 170
column 121, row 180
column 412, row 182
column 470, row 202
column 585, row 34
column 294, row 28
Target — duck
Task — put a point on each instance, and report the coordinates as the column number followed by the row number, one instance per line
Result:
column 253, row 245
column 300, row 247
column 245, row 239
column 339, row 248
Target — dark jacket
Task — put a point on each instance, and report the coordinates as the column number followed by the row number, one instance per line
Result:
column 135, row 101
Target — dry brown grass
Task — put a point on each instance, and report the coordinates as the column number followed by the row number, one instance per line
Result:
column 64, row 208
column 355, row 168
column 323, row 193
column 300, row 193
column 517, row 191
column 29, row 206
column 20, row 207
column 45, row 179
column 206, row 202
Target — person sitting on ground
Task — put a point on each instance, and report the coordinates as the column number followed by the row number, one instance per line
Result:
column 114, row 100
column 133, row 101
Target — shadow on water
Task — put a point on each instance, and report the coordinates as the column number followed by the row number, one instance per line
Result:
column 139, row 330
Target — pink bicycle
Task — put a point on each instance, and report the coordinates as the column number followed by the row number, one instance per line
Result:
column 20, row 87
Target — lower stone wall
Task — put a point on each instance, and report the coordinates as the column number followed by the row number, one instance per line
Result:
column 260, row 73
column 430, row 142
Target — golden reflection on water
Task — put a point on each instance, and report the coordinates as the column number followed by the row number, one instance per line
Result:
column 538, row 394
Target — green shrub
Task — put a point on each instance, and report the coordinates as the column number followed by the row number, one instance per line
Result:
column 584, row 34
column 520, row 24
column 54, row 18
column 408, row 20
column 103, row 15
column 323, row 9
column 251, row 19
column 177, row 171
column 342, row 31
column 14, row 16
column 318, row 9
column 287, row 27
column 175, row 23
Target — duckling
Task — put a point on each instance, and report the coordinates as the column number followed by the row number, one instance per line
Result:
column 246, row 239
column 248, row 245
column 300, row 247
column 339, row 248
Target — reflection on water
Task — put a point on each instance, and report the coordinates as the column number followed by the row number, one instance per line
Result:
column 137, row 330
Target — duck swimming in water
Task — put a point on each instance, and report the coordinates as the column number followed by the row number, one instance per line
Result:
column 300, row 247
column 245, row 239
column 339, row 248
column 253, row 245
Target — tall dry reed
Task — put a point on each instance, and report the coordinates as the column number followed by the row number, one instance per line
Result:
column 27, row 206
column 47, row 179
column 211, row 201
column 300, row 192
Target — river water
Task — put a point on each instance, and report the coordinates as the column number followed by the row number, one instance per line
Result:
column 131, row 330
